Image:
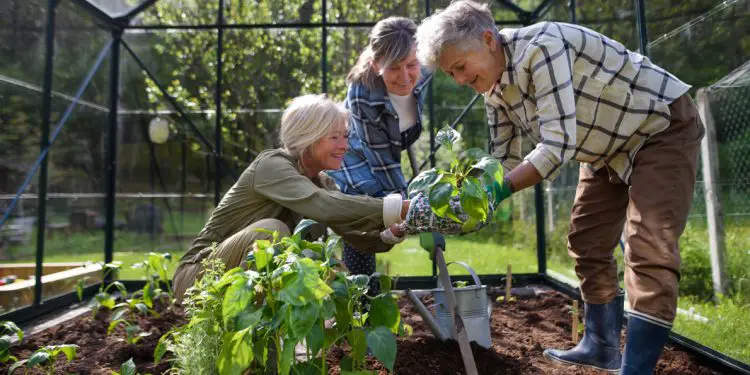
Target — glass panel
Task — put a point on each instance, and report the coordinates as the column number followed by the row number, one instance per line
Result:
column 558, row 11
column 115, row 8
column 180, row 12
column 21, row 75
column 77, row 161
column 615, row 19
column 164, row 187
column 366, row 11
column 254, row 12
column 500, row 11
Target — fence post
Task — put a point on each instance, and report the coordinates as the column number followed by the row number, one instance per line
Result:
column 714, row 212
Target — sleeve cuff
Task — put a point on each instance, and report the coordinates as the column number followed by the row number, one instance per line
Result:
column 392, row 209
column 547, row 164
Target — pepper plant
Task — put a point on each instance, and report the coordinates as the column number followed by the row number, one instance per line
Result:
column 158, row 285
column 46, row 357
column 469, row 176
column 7, row 330
column 292, row 296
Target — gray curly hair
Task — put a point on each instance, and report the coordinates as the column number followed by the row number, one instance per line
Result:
column 460, row 24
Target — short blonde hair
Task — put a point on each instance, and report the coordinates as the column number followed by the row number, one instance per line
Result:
column 308, row 119
column 461, row 24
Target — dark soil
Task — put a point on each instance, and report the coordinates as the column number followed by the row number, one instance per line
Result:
column 99, row 353
column 521, row 329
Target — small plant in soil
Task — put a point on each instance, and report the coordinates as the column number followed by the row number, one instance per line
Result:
column 133, row 332
column 128, row 368
column 103, row 298
column 157, row 285
column 467, row 177
column 291, row 296
column 45, row 358
column 7, row 330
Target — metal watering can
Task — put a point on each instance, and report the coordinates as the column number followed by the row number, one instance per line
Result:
column 472, row 305
column 471, row 302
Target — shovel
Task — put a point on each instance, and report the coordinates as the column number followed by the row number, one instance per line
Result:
column 459, row 330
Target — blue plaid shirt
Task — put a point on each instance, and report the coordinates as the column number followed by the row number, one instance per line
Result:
column 372, row 165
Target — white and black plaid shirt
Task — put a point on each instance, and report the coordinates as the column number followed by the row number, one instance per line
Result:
column 577, row 95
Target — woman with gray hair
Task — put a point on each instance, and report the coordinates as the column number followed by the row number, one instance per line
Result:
column 385, row 96
column 579, row 95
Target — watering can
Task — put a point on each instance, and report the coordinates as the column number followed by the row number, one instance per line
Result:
column 471, row 301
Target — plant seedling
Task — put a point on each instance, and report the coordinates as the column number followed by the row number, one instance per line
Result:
column 133, row 332
column 157, row 286
column 467, row 178
column 46, row 357
column 128, row 368
column 7, row 330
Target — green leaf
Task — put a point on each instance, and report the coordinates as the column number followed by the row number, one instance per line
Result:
column 17, row 365
column 356, row 339
column 304, row 285
column 300, row 228
column 236, row 353
column 474, row 199
column 287, row 357
column 440, row 197
column 302, row 318
column 11, row 327
column 333, row 243
column 236, row 299
column 37, row 358
column 263, row 254
column 424, row 181
column 248, row 319
column 346, row 363
column 148, row 296
column 493, row 170
column 142, row 308
column 383, row 345
column 128, row 368
column 343, row 316
column 448, row 137
column 118, row 314
column 474, row 154
column 315, row 338
column 305, row 368
column 113, row 324
column 384, row 312
column 161, row 347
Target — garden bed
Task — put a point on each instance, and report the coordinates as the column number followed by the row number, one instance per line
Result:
column 521, row 329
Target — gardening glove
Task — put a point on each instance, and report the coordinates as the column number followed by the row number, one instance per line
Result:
column 500, row 192
column 431, row 240
column 420, row 217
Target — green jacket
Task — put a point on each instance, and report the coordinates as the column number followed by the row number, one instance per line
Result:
column 274, row 186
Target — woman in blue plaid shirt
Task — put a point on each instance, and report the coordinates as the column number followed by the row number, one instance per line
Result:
column 385, row 97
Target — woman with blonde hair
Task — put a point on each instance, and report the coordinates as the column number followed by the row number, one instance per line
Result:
column 385, row 96
column 283, row 185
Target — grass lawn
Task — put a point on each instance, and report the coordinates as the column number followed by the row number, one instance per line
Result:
column 486, row 258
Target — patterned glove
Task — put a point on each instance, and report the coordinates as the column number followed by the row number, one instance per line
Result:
column 421, row 218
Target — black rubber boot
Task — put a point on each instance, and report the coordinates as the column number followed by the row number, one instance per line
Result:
column 600, row 346
column 643, row 346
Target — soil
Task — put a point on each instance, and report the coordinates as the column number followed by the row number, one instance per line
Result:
column 521, row 329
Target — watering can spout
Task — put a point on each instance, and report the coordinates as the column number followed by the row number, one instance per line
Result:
column 426, row 316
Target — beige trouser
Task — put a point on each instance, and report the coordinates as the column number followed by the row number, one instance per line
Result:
column 231, row 251
column 653, row 210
